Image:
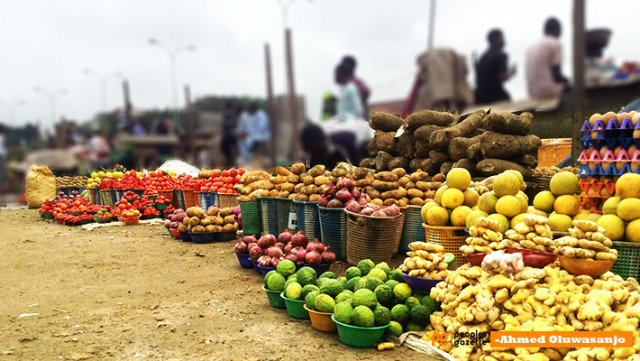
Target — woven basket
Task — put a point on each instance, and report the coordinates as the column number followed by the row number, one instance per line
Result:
column 333, row 229
column 268, row 207
column 308, row 219
column 105, row 195
column 628, row 262
column 168, row 194
column 191, row 198
column 228, row 200
column 208, row 199
column 370, row 237
column 179, row 198
column 398, row 237
column 251, row 222
column 451, row 238
column 284, row 208
column 412, row 230
column 117, row 194
column 95, row 196
column 139, row 192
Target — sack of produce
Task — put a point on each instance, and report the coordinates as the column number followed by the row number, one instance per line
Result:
column 40, row 186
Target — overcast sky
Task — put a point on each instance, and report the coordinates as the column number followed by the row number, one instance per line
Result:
column 49, row 43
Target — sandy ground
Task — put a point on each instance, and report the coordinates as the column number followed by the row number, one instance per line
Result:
column 133, row 293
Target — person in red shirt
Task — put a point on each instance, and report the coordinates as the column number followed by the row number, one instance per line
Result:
column 350, row 63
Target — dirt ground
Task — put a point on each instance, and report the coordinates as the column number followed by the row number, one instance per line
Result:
column 133, row 293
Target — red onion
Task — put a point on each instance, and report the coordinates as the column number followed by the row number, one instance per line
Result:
column 251, row 245
column 313, row 257
column 330, row 191
column 343, row 195
column 353, row 206
column 255, row 252
column 287, row 248
column 315, row 246
column 241, row 247
column 285, row 236
column 335, row 203
column 378, row 214
column 328, row 256
column 300, row 256
column 167, row 224
column 275, row 261
column 249, row 239
column 367, row 211
column 274, row 252
column 267, row 240
column 291, row 257
column 323, row 201
column 345, row 183
column 264, row 261
column 295, row 250
column 299, row 239
column 356, row 194
column 280, row 245
column 393, row 210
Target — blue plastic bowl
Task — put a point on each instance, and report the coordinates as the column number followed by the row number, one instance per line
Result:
column 206, row 237
column 245, row 261
column 185, row 236
column 420, row 284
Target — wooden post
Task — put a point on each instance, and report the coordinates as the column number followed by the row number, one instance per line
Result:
column 127, row 105
column 578, row 91
column 189, row 111
column 270, row 104
column 293, row 105
column 432, row 23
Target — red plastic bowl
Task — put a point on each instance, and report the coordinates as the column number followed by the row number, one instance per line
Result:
column 476, row 258
column 533, row 258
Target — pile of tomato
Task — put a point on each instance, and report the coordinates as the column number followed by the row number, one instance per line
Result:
column 223, row 182
column 130, row 180
column 157, row 181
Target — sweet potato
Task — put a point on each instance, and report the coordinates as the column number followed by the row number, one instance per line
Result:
column 425, row 117
column 385, row 121
column 509, row 123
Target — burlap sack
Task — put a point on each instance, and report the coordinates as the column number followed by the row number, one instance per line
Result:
column 41, row 185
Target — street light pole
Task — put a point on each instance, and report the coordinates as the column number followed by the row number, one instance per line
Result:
column 51, row 95
column 11, row 108
column 103, row 84
column 173, row 53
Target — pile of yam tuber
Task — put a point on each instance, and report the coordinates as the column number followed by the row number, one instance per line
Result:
column 483, row 143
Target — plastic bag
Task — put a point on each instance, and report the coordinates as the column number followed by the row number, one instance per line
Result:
column 505, row 263
column 40, row 186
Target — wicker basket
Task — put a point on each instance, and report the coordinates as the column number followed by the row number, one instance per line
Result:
column 251, row 222
column 412, row 230
column 208, row 199
column 285, row 208
column 333, row 229
column 168, row 194
column 268, row 207
column 451, row 238
column 398, row 237
column 227, row 200
column 95, row 196
column 370, row 237
column 628, row 262
column 308, row 219
column 179, row 198
column 105, row 195
column 191, row 198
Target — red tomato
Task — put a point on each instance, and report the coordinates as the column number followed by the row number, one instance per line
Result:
column 233, row 172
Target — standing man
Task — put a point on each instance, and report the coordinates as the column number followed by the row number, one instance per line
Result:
column 349, row 99
column 228, row 143
column 544, row 58
column 491, row 71
column 253, row 132
column 350, row 62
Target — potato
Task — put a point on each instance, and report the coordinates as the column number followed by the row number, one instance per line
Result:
column 198, row 229
column 278, row 179
column 210, row 228
column 403, row 181
column 243, row 198
column 403, row 202
column 400, row 172
column 213, row 211
column 282, row 171
column 185, row 220
column 192, row 211
column 235, row 225
column 227, row 227
column 377, row 201
column 273, row 193
column 310, row 189
column 298, row 188
column 415, row 193
column 386, row 176
column 314, row 197
column 410, row 185
column 182, row 228
column 419, row 176
column 194, row 221
column 217, row 228
column 317, row 170
column 229, row 220
column 287, row 187
column 385, row 186
column 389, row 202
column 308, row 180
column 416, row 202
column 298, row 168
column 367, row 181
column 423, row 186
column 293, row 178
column 226, row 212
column 218, row 221
column 321, row 180
column 293, row 196
column 361, row 172
column 339, row 172
column 205, row 222
column 372, row 192
column 283, row 194
column 303, row 198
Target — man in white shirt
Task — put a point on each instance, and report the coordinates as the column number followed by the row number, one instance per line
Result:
column 544, row 78
column 253, row 131
column 349, row 99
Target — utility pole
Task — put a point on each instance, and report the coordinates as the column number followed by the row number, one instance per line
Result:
column 293, row 104
column 432, row 23
column 189, row 110
column 274, row 120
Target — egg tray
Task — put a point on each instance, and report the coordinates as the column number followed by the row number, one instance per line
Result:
column 610, row 125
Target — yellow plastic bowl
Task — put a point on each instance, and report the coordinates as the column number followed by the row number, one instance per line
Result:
column 588, row 267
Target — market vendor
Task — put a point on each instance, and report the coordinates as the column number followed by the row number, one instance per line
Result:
column 544, row 58
column 491, row 71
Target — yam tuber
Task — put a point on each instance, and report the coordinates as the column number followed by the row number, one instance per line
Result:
column 368, row 163
column 372, row 147
column 446, row 167
column 440, row 139
column 509, row 123
column 406, row 144
column 429, row 117
column 458, row 147
column 399, row 162
column 385, row 141
column 529, row 160
column 492, row 166
column 385, row 121
column 505, row 146
column 474, row 151
column 425, row 131
column 382, row 161
column 422, row 149
column 438, row 157
column 467, row 164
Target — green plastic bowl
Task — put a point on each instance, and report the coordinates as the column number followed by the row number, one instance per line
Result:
column 295, row 308
column 359, row 336
column 274, row 298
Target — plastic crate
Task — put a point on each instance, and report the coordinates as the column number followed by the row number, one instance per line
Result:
column 333, row 230
column 179, row 197
column 251, row 222
column 628, row 262
column 308, row 219
column 412, row 230
column 208, row 199
column 553, row 151
column 269, row 214
column 451, row 238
